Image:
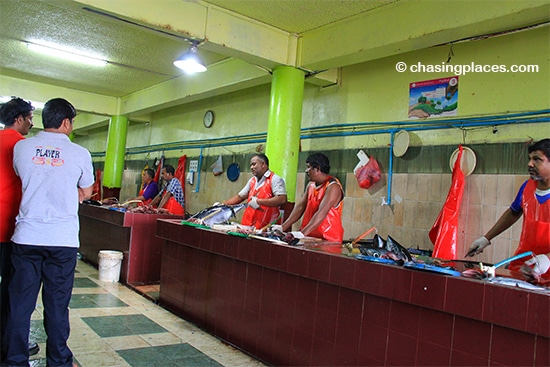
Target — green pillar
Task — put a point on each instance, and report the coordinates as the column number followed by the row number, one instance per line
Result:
column 114, row 155
column 284, row 123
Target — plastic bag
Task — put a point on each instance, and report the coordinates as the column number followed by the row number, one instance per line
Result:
column 369, row 174
column 217, row 166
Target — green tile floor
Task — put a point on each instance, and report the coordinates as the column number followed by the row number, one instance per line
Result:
column 113, row 326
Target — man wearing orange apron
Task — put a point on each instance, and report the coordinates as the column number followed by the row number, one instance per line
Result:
column 172, row 197
column 149, row 188
column 265, row 192
column 533, row 201
column 321, row 205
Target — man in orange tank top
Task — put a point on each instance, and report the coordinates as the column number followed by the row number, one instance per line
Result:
column 322, row 203
column 533, row 203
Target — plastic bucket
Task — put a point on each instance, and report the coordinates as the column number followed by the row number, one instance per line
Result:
column 109, row 265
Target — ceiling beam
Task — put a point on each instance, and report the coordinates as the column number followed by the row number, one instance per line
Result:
column 421, row 24
column 84, row 102
column 224, row 77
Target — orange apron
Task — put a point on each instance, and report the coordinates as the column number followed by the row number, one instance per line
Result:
column 174, row 207
column 535, row 233
column 264, row 215
column 331, row 228
column 146, row 201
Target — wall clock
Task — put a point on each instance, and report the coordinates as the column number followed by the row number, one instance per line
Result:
column 208, row 118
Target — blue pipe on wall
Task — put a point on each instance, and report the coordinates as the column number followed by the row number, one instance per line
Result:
column 312, row 132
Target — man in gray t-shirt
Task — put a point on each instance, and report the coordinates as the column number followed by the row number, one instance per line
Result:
column 56, row 175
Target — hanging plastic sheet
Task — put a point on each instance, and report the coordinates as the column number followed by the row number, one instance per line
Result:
column 160, row 165
column 96, row 192
column 444, row 232
column 180, row 170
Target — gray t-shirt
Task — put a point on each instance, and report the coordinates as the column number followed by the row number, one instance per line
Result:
column 51, row 169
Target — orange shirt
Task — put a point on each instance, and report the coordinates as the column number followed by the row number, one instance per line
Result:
column 10, row 184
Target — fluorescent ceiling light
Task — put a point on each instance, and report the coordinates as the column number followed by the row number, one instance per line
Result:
column 190, row 61
column 66, row 55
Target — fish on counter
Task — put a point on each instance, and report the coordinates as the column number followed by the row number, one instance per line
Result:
column 388, row 249
column 217, row 214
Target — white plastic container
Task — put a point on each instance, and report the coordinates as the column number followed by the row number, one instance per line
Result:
column 109, row 265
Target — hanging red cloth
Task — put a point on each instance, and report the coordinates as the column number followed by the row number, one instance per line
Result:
column 180, row 171
column 180, row 175
column 97, row 186
column 159, row 169
column 444, row 232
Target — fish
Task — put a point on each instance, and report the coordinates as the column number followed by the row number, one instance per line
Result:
column 393, row 246
column 216, row 214
column 386, row 249
column 511, row 282
column 379, row 242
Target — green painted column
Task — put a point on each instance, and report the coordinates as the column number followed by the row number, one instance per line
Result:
column 114, row 155
column 284, row 123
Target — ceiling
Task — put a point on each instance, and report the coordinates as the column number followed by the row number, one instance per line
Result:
column 141, row 41
column 139, row 56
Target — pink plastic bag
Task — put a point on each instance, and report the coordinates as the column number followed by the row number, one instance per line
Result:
column 369, row 174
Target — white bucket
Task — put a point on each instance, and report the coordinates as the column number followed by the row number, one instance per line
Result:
column 109, row 265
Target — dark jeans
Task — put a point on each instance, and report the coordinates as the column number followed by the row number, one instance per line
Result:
column 5, row 274
column 53, row 268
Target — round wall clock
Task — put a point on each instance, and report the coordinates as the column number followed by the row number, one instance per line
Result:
column 208, row 118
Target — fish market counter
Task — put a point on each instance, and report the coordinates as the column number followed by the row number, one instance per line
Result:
column 315, row 306
column 131, row 233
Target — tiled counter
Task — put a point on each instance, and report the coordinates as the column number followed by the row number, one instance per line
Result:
column 294, row 306
column 131, row 233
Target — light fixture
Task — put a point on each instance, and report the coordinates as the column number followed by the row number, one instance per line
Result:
column 190, row 61
column 58, row 52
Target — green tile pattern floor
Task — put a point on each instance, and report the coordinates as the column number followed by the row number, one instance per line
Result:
column 38, row 335
column 84, row 283
column 124, row 325
column 95, row 301
column 115, row 326
column 181, row 355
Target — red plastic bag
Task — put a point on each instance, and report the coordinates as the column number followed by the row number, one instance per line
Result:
column 369, row 174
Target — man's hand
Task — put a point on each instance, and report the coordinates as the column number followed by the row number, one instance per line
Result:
column 536, row 266
column 253, row 203
column 478, row 246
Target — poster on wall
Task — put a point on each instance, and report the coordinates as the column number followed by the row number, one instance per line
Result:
column 433, row 98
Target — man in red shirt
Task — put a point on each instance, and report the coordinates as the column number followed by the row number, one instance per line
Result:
column 16, row 115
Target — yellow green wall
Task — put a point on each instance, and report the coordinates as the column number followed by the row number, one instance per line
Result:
column 373, row 92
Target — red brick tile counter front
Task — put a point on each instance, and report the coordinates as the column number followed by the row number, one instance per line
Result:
column 131, row 233
column 299, row 306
